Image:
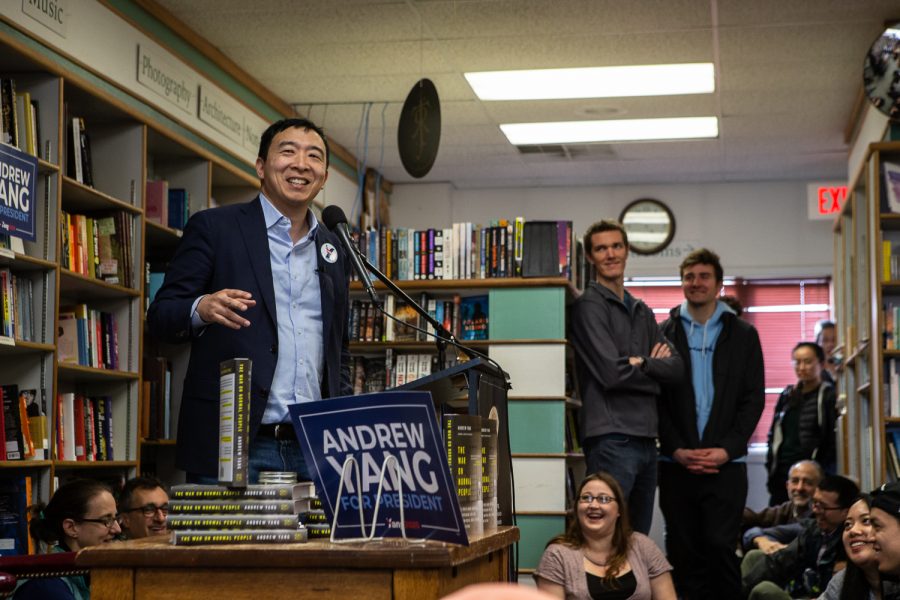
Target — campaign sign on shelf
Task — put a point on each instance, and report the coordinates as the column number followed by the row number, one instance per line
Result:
column 18, row 174
column 370, row 428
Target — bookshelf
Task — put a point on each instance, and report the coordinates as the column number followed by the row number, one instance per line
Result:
column 68, row 278
column 205, row 182
column 534, row 352
column 867, row 237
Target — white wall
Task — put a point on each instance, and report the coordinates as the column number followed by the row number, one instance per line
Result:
column 760, row 229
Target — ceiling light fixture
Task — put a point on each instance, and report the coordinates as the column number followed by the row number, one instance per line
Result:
column 594, row 82
column 619, row 130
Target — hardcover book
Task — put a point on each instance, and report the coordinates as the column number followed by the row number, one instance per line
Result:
column 474, row 318
column 230, row 537
column 237, row 507
column 269, row 491
column 489, row 437
column 234, row 421
column 233, row 522
column 462, row 435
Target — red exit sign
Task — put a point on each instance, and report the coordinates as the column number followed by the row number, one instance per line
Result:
column 825, row 199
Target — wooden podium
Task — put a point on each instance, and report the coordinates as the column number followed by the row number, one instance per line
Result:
column 152, row 568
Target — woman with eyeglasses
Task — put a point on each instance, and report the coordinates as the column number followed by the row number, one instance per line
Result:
column 80, row 514
column 860, row 579
column 803, row 423
column 599, row 557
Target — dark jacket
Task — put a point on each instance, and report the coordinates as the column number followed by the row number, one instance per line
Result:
column 739, row 383
column 618, row 397
column 817, row 437
column 228, row 247
column 812, row 551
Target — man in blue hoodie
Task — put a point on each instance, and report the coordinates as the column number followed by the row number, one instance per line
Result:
column 704, row 427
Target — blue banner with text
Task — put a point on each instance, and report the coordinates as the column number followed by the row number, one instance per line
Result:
column 371, row 428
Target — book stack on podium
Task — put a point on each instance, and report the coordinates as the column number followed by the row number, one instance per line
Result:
column 256, row 514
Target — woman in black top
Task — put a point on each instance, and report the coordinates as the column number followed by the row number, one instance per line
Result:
column 803, row 424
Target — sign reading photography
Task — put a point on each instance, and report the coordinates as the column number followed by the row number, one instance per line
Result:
column 18, row 172
column 370, row 428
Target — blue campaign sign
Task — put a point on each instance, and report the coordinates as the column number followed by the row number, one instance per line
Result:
column 18, row 176
column 370, row 428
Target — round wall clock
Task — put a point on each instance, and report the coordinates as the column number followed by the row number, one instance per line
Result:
column 650, row 225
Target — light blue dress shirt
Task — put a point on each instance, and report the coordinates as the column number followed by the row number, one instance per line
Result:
column 298, row 304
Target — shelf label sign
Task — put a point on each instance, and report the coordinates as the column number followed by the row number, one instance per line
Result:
column 222, row 114
column 369, row 428
column 49, row 13
column 172, row 83
column 18, row 176
column 825, row 199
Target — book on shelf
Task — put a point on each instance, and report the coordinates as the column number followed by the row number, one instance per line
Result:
column 891, row 187
column 9, row 131
column 13, row 427
column 15, row 499
column 179, row 201
column 95, row 341
column 234, row 421
column 36, row 414
column 26, row 124
column 156, row 202
column 157, row 394
column 474, row 318
column 462, row 434
column 231, row 537
column 98, row 245
column 16, row 305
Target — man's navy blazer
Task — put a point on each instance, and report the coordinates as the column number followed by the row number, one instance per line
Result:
column 227, row 247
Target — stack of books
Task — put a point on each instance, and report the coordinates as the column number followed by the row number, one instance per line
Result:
column 256, row 514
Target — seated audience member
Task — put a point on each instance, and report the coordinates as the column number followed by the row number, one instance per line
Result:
column 803, row 424
column 599, row 556
column 860, row 579
column 885, row 515
column 804, row 567
column 81, row 513
column 143, row 508
column 772, row 528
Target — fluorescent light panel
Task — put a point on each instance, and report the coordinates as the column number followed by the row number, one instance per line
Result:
column 619, row 130
column 594, row 82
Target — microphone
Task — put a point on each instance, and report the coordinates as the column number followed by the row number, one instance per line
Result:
column 335, row 220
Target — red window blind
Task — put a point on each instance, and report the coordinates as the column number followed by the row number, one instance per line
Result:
column 784, row 312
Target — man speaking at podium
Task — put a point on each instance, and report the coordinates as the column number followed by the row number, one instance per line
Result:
column 265, row 281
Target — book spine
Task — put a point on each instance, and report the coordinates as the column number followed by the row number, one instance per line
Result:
column 233, row 507
column 287, row 491
column 216, row 537
column 182, row 522
column 234, row 420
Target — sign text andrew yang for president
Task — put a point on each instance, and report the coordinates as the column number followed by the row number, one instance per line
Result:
column 18, row 171
column 370, row 428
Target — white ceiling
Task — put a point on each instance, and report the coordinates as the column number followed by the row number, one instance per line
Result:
column 788, row 75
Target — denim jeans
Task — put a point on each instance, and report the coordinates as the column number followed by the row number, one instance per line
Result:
column 267, row 454
column 632, row 461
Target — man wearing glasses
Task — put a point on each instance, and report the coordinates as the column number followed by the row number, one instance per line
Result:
column 143, row 508
column 804, row 568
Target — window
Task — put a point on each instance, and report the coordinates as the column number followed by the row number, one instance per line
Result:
column 784, row 312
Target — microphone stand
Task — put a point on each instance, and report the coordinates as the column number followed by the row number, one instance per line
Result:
column 441, row 333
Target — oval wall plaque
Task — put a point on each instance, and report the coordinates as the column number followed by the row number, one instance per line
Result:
column 419, row 133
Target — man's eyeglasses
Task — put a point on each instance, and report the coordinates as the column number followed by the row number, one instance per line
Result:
column 817, row 505
column 589, row 499
column 107, row 522
column 148, row 510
